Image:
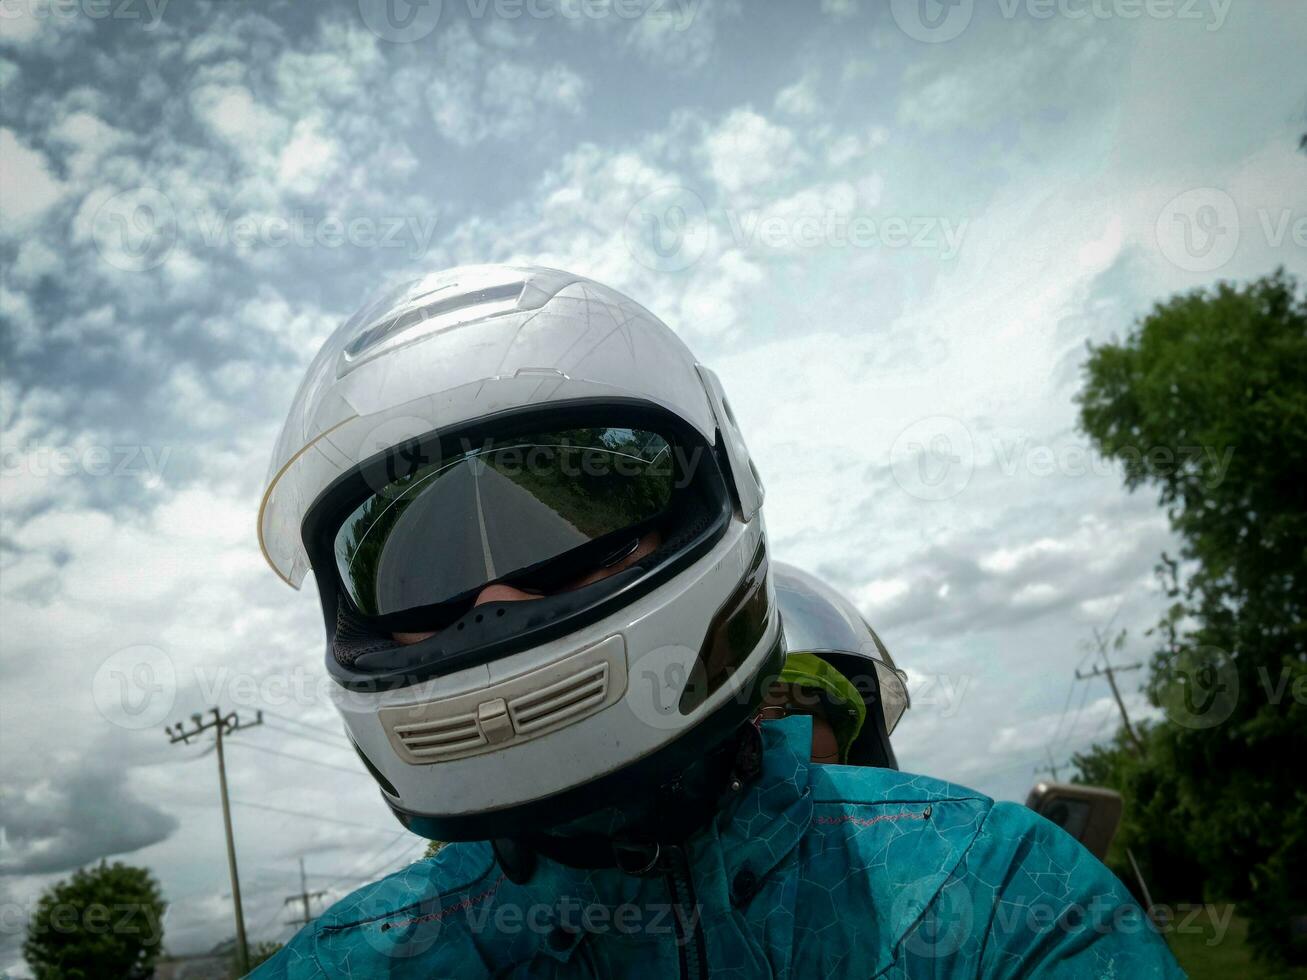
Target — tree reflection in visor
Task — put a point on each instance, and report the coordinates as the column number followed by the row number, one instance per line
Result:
column 529, row 509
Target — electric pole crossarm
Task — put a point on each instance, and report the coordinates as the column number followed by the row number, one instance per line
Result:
column 304, row 897
column 222, row 725
column 1110, row 673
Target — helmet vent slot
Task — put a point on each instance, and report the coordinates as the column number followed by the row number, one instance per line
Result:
column 568, row 698
column 511, row 711
column 444, row 736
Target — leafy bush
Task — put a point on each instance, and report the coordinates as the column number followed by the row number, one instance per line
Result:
column 102, row 922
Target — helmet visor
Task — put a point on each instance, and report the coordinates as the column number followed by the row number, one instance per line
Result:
column 535, row 510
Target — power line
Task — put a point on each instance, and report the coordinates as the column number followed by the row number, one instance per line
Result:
column 336, row 732
column 275, row 922
column 306, row 759
column 304, row 897
column 309, row 816
column 367, row 859
column 341, row 746
column 1008, row 767
column 390, row 861
column 1061, row 720
column 1058, row 732
column 1110, row 672
column 223, row 724
column 344, row 744
column 1107, row 716
column 1051, row 768
column 1069, row 734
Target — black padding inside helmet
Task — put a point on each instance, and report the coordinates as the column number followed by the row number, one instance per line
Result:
column 360, row 644
column 364, row 654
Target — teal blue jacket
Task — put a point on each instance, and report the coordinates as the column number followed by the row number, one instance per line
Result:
column 814, row 871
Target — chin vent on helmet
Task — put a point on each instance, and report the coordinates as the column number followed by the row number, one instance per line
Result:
column 571, row 697
column 513, row 711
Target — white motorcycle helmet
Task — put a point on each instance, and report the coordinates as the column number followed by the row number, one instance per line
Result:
column 523, row 427
column 821, row 621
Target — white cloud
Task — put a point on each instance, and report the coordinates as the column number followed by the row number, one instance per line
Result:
column 829, row 352
column 38, row 27
column 233, row 114
column 17, row 310
column 479, row 93
column 800, row 98
column 28, row 188
column 678, row 36
column 839, row 9
column 747, row 152
column 35, row 261
column 308, row 158
column 85, row 139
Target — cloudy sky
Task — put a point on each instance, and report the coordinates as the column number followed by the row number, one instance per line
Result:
column 891, row 228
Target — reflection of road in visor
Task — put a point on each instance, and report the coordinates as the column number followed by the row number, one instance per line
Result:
column 501, row 510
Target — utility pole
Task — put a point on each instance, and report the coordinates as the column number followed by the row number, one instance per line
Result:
column 1051, row 768
column 304, row 896
column 223, row 725
column 1110, row 673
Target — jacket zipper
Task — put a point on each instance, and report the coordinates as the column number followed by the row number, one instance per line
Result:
column 690, row 948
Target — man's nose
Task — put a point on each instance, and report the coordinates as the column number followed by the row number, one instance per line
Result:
column 498, row 592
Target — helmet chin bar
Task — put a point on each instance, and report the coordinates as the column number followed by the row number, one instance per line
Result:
column 622, row 785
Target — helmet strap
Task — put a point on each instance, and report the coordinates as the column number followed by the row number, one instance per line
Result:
column 516, row 859
column 676, row 813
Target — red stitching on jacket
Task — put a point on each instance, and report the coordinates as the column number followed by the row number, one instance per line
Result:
column 462, row 906
column 868, row 821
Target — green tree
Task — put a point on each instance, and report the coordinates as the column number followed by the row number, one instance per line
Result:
column 259, row 953
column 1206, row 400
column 103, row 922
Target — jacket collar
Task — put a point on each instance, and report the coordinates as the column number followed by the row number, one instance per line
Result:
column 922, row 830
column 774, row 811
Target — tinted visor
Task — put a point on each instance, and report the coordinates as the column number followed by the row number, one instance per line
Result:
column 536, row 510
